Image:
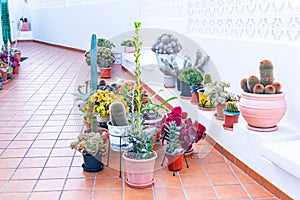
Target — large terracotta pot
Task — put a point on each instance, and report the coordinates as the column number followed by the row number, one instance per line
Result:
column 262, row 112
column 139, row 172
column 175, row 162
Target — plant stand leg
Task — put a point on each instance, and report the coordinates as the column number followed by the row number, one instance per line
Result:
column 108, row 154
column 186, row 162
column 162, row 163
column 120, row 176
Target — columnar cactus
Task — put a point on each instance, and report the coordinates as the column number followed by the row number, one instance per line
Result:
column 207, row 78
column 265, row 84
column 118, row 114
column 266, row 72
column 231, row 106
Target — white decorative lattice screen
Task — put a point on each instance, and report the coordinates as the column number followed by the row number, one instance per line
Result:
column 277, row 20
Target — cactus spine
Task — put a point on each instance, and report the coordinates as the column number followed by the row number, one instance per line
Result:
column 231, row 106
column 266, row 72
column 118, row 114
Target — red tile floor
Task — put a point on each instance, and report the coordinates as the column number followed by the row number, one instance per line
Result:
column 38, row 120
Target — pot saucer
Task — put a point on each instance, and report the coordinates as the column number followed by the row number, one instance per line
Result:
column 139, row 186
column 93, row 169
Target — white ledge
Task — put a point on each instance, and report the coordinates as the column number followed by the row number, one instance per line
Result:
column 273, row 155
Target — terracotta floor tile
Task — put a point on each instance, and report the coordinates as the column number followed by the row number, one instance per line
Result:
column 167, row 181
column 19, row 186
column 27, row 173
column 7, row 136
column 169, row 193
column 244, row 178
column 15, row 153
column 10, row 130
column 140, row 194
column 203, row 193
column 59, row 161
column 4, row 144
column 108, row 194
column 80, row 184
column 109, row 172
column 38, row 152
column 20, row 144
column 9, row 162
column 67, row 195
column 56, row 172
column 77, row 172
column 217, row 167
column 48, row 136
column 108, row 183
column 2, row 184
column 5, row 174
column 45, row 195
column 256, row 191
column 14, row 196
column 57, row 152
column 49, row 185
column 231, row 192
column 213, row 158
column 43, row 144
column 223, row 179
column 63, row 143
column 25, row 136
column 193, row 169
column 195, row 180
column 33, row 162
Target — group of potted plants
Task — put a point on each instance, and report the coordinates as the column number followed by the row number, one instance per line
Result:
column 9, row 63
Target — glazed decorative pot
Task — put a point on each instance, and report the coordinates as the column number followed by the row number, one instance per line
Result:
column 117, row 136
column 230, row 118
column 139, row 172
column 262, row 112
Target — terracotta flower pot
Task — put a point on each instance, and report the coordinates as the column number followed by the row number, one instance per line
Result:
column 139, row 172
column 229, row 119
column 16, row 69
column 3, row 71
column 195, row 99
column 105, row 72
column 220, row 115
column 262, row 112
column 175, row 162
column 19, row 55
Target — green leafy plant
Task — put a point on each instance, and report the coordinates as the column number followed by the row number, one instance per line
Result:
column 173, row 138
column 127, row 43
column 102, row 42
column 190, row 76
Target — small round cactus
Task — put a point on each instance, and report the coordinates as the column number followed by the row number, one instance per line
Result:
column 270, row 89
column 277, row 87
column 105, row 57
column 258, row 89
column 252, row 81
column 166, row 44
column 207, row 78
column 231, row 106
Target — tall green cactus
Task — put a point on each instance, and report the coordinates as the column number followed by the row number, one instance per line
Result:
column 118, row 114
column 266, row 72
column 93, row 84
column 231, row 106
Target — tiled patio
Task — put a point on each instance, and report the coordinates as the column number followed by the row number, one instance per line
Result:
column 38, row 121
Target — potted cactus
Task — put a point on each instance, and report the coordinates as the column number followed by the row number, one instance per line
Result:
column 231, row 115
column 105, row 59
column 166, row 45
column 262, row 103
column 118, row 127
column 128, row 46
column 189, row 76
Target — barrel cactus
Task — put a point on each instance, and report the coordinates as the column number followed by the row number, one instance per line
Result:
column 166, row 44
column 207, row 78
column 105, row 57
column 264, row 85
column 231, row 106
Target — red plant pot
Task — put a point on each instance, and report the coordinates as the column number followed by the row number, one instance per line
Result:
column 175, row 162
column 229, row 119
column 105, row 72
